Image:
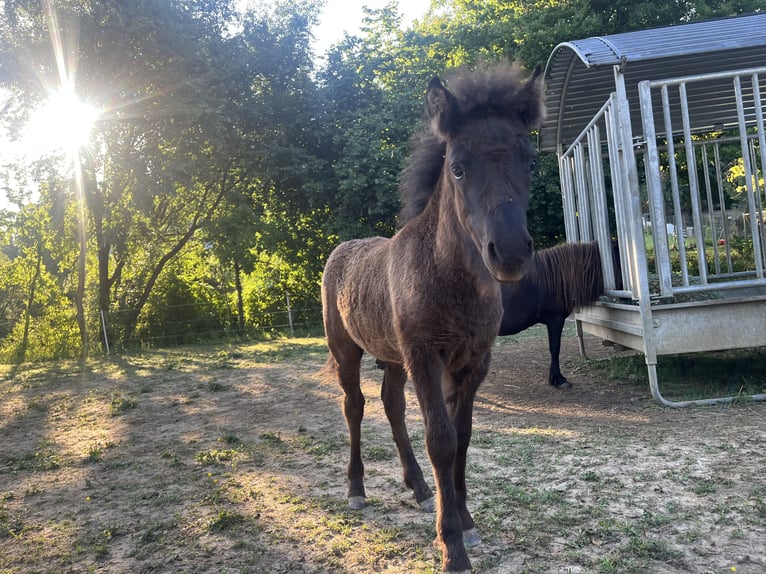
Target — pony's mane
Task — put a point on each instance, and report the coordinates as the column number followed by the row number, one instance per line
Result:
column 570, row 273
column 420, row 174
column 493, row 91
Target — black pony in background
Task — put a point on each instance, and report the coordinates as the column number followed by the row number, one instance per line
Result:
column 560, row 279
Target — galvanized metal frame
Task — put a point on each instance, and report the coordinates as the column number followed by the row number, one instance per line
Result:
column 649, row 323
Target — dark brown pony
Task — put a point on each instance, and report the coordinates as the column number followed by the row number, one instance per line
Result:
column 559, row 280
column 427, row 301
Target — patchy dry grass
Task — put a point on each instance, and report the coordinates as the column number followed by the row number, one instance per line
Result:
column 232, row 459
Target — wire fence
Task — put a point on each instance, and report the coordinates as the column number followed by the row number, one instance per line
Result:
column 168, row 325
column 196, row 322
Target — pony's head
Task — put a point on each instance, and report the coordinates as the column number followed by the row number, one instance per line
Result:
column 482, row 124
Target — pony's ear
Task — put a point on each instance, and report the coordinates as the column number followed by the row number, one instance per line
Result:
column 443, row 109
column 529, row 100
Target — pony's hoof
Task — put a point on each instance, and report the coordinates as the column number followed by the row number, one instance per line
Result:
column 471, row 538
column 561, row 383
column 356, row 502
column 428, row 505
column 459, row 571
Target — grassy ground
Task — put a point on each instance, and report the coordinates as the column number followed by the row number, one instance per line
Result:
column 232, row 458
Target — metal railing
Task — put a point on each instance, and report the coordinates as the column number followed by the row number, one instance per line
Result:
column 666, row 196
column 699, row 158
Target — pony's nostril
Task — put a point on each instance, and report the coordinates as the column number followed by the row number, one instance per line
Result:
column 492, row 252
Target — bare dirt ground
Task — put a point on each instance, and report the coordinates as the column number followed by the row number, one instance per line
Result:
column 232, row 459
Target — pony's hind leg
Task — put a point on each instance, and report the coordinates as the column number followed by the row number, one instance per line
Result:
column 392, row 395
column 348, row 364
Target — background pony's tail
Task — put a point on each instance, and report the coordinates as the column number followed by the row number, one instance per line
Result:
column 329, row 373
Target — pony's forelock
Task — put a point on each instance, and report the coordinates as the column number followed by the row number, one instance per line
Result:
column 500, row 90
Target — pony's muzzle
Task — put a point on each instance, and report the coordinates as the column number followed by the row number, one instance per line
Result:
column 510, row 260
column 508, row 247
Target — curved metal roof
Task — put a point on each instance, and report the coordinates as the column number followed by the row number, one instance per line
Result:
column 580, row 74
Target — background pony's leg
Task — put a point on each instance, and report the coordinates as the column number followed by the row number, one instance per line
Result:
column 348, row 358
column 555, row 327
column 441, row 443
column 392, row 394
column 465, row 383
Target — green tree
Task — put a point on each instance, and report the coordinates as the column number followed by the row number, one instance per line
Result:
column 284, row 178
column 373, row 87
column 160, row 163
column 195, row 109
column 39, row 277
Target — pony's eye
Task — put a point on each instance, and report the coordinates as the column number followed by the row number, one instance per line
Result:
column 533, row 164
column 457, row 171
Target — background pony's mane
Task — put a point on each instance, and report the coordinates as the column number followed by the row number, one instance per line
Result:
column 570, row 273
column 493, row 91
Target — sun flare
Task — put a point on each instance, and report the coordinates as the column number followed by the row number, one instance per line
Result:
column 64, row 122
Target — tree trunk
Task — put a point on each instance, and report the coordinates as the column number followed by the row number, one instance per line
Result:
column 204, row 208
column 132, row 321
column 22, row 352
column 80, row 295
column 104, row 282
column 240, row 300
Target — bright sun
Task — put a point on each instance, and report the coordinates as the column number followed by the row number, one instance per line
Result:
column 63, row 123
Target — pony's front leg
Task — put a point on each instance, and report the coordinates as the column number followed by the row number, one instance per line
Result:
column 441, row 444
column 392, row 395
column 464, row 385
column 555, row 377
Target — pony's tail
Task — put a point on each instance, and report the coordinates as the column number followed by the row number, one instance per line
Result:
column 329, row 373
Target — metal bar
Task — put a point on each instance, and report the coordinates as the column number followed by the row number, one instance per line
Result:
column 627, row 164
column 600, row 211
column 722, row 140
column 612, row 141
column 567, row 196
column 655, row 389
column 757, row 254
column 675, row 193
column 721, row 286
column 654, row 190
column 106, row 335
column 603, row 111
column 722, row 202
column 619, row 293
column 758, row 195
column 704, row 77
column 758, row 110
column 710, row 209
column 581, row 193
column 691, row 168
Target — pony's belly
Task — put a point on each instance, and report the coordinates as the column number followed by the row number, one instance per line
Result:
column 365, row 330
column 367, row 321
